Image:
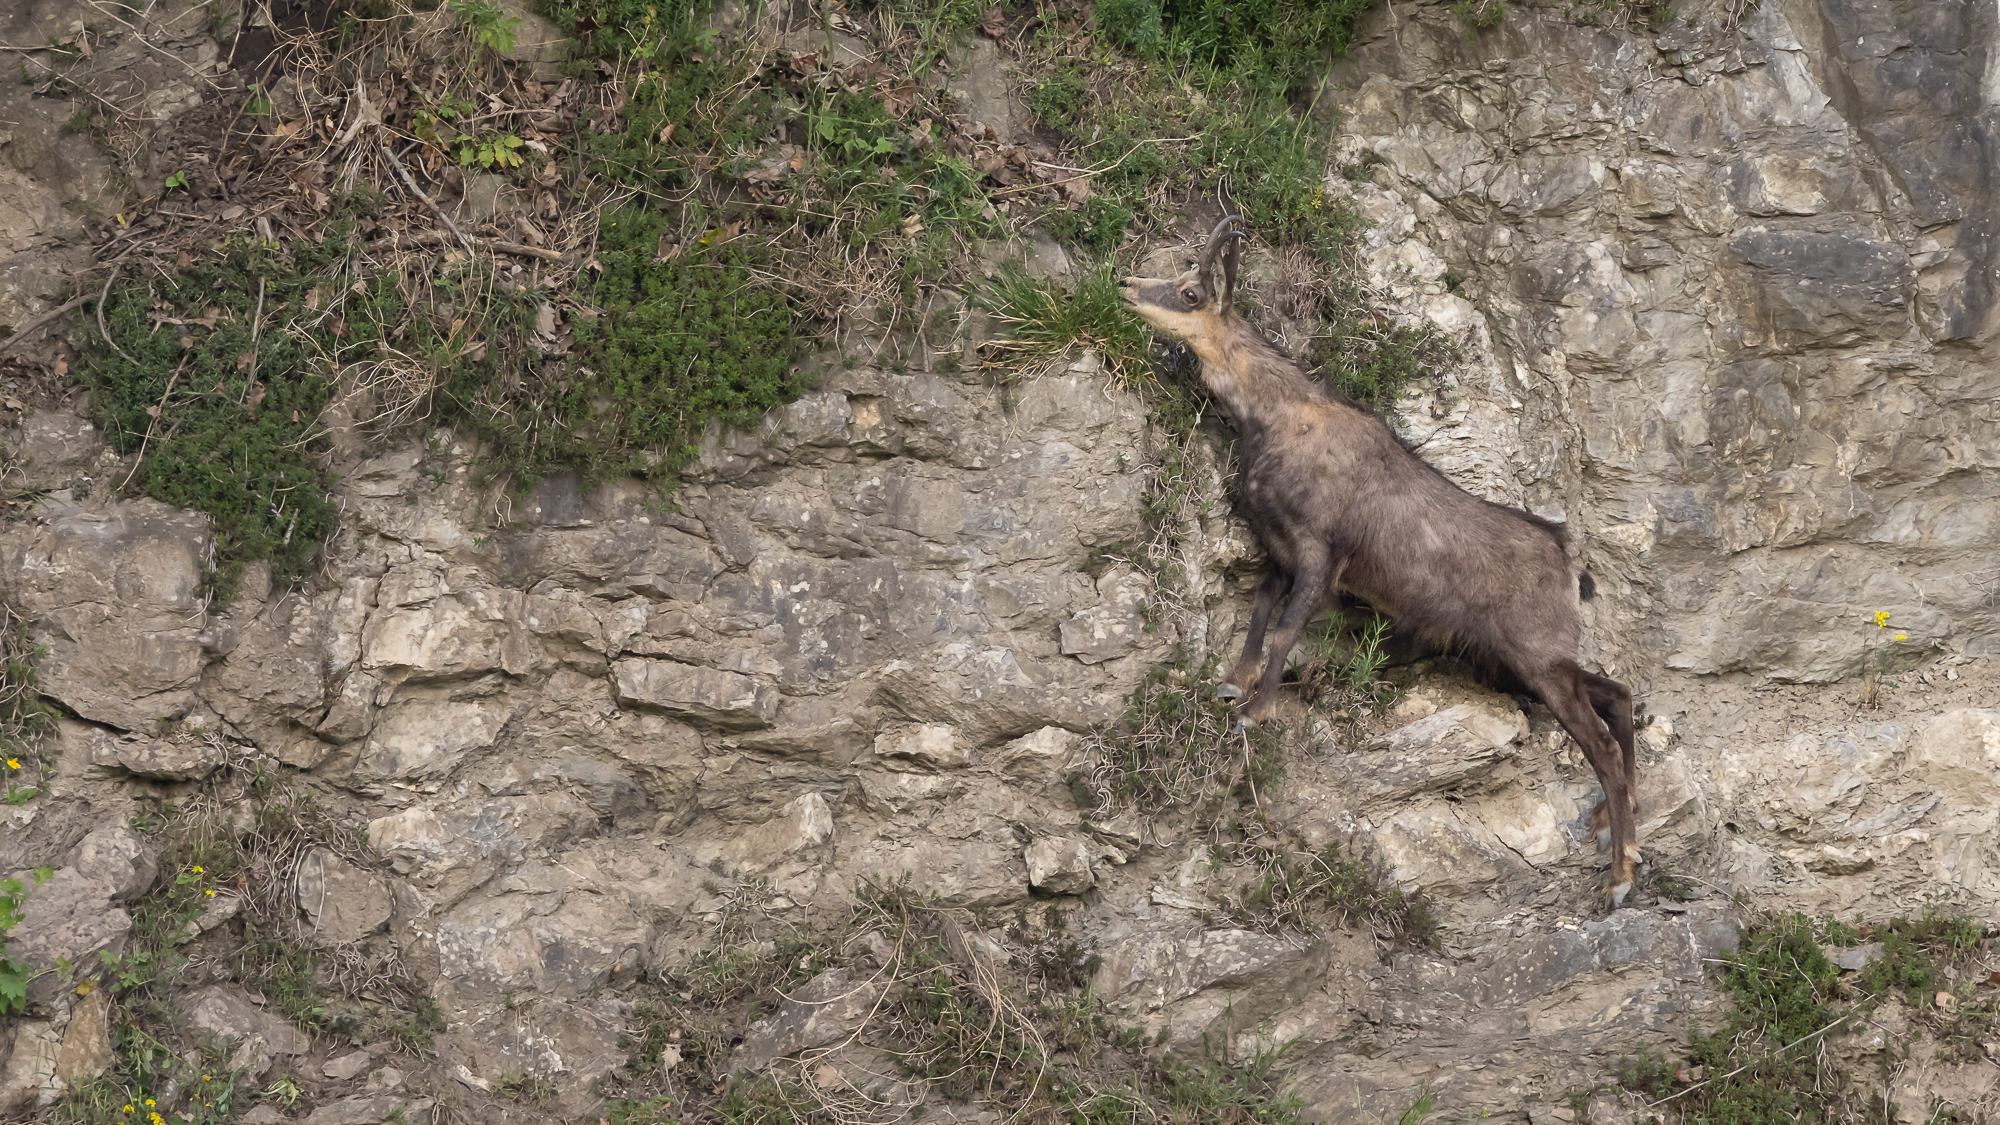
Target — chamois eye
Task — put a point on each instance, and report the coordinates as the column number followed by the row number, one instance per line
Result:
column 1191, row 297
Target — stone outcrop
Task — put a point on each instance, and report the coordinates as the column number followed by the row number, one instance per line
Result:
column 1731, row 296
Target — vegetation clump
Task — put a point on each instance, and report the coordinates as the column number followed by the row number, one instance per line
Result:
column 203, row 377
column 671, row 346
column 225, row 907
column 1015, row 1025
column 1775, row 1054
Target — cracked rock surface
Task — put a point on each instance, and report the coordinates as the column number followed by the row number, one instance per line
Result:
column 1727, row 298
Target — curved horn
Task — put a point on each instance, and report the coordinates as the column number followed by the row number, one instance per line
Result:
column 1215, row 241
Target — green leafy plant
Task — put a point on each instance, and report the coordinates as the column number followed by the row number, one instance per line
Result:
column 675, row 344
column 175, row 182
column 1287, row 39
column 1765, row 1061
column 1342, row 657
column 14, row 975
column 494, row 150
column 491, row 28
column 24, row 717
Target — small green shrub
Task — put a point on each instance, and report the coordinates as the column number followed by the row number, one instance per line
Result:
column 14, row 975
column 1289, row 39
column 1479, row 15
column 1374, row 364
column 491, row 28
column 675, row 344
column 1766, row 1061
column 1342, row 656
column 223, row 402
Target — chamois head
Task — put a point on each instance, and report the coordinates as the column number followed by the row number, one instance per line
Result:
column 1190, row 307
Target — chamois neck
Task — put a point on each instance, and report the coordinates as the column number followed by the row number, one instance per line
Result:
column 1253, row 378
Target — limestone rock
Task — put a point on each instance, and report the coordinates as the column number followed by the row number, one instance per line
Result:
column 426, row 735
column 86, row 1039
column 185, row 757
column 980, row 871
column 220, row 908
column 537, row 940
column 348, row 1066
column 115, row 855
column 1114, row 627
column 224, row 1012
column 1190, row 983
column 345, row 904
column 1444, row 749
column 112, row 595
column 1059, row 865
column 824, row 1009
column 804, row 822
column 28, row 1073
column 925, row 745
column 70, row 918
column 1959, row 753
column 724, row 699
column 366, row 1109
column 49, row 446
column 1042, row 754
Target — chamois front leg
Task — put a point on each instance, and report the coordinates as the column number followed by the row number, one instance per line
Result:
column 1317, row 574
column 1273, row 587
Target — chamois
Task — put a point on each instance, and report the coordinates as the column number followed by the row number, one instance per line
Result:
column 1340, row 504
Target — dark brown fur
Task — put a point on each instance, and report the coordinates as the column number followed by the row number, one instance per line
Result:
column 1341, row 505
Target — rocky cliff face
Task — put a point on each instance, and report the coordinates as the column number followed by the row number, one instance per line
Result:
column 1728, row 296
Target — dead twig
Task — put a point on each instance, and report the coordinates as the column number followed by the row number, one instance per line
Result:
column 404, row 173
column 256, row 329
column 1838, row 1020
column 415, row 239
column 1094, row 171
column 22, row 333
column 152, row 421
column 101, row 329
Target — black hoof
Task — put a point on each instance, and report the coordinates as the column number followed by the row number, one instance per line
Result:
column 1229, row 691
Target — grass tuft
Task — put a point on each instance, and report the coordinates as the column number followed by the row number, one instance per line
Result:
column 1045, row 318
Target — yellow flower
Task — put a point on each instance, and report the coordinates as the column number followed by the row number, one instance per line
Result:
column 150, row 1103
column 13, row 763
column 211, row 894
column 1881, row 619
column 1902, row 636
column 196, row 871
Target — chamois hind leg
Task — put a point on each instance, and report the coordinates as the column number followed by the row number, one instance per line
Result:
column 1563, row 687
column 1268, row 592
column 1613, row 703
column 1316, row 574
